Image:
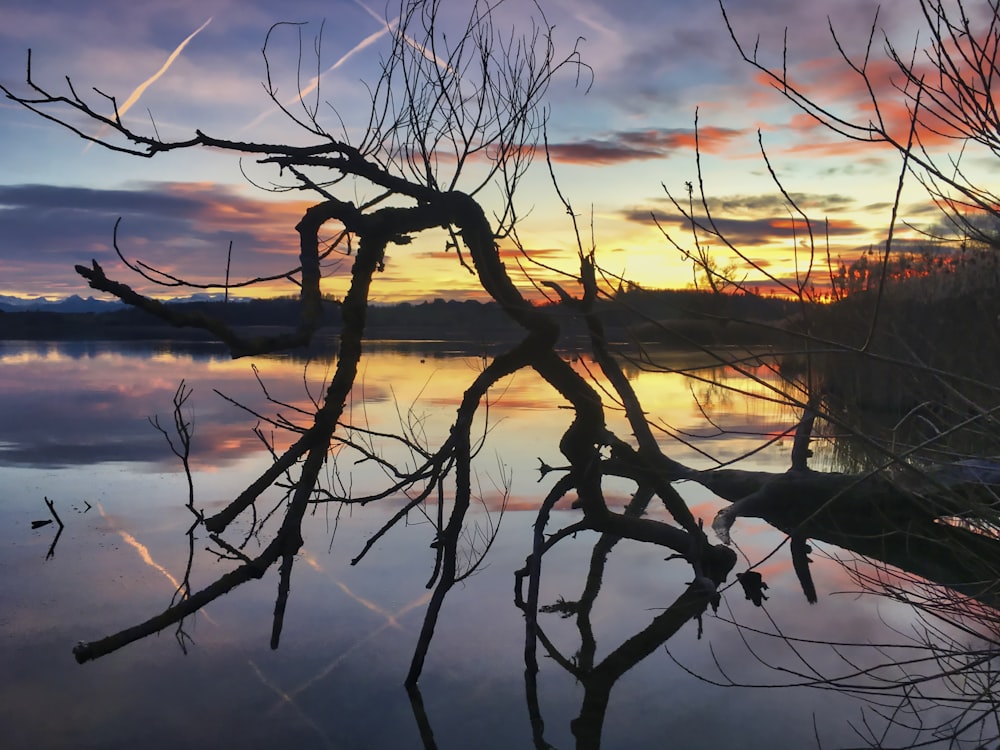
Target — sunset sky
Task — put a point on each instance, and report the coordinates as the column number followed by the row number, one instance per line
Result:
column 187, row 65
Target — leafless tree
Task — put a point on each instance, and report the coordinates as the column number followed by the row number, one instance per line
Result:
column 449, row 120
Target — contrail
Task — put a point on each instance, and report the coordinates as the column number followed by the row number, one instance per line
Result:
column 387, row 27
column 409, row 40
column 134, row 96
column 369, row 11
column 141, row 88
column 366, row 42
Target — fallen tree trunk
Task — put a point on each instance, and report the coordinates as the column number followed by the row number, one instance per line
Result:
column 912, row 525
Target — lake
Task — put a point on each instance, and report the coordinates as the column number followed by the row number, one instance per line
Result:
column 75, row 429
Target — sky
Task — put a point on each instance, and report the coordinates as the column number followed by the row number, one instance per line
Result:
column 619, row 140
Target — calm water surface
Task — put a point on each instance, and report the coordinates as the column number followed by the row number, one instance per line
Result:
column 74, row 428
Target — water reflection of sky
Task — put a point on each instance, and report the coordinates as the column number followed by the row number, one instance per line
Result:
column 75, row 429
column 76, row 403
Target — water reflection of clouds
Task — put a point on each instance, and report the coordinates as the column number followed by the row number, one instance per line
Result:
column 90, row 403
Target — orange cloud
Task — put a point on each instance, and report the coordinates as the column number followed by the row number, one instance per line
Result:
column 883, row 97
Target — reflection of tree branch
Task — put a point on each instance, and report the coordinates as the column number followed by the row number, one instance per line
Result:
column 598, row 560
column 284, row 586
column 55, row 540
column 800, row 562
column 529, row 605
column 184, row 431
column 599, row 681
column 420, row 715
column 447, row 540
column 481, row 540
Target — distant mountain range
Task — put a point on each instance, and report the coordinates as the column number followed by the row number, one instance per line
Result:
column 74, row 304
column 77, row 304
